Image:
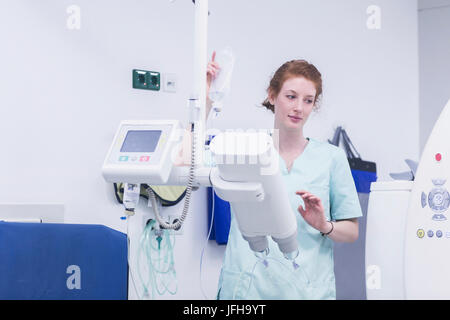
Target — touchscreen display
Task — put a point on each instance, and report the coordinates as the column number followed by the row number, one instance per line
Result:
column 141, row 141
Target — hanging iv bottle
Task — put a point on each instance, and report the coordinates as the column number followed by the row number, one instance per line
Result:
column 221, row 84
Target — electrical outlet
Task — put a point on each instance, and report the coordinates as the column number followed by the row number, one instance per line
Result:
column 147, row 80
column 155, row 80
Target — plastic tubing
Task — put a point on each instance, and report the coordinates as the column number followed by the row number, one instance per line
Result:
column 152, row 197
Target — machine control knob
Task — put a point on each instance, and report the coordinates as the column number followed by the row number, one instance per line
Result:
column 439, row 199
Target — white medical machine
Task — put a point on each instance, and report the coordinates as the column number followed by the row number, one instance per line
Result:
column 247, row 175
column 142, row 152
column 408, row 227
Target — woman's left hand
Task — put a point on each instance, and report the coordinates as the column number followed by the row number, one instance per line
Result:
column 313, row 213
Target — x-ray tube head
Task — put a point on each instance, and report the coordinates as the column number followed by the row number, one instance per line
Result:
column 248, row 176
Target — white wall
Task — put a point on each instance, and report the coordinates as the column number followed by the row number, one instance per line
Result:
column 434, row 53
column 63, row 92
column 370, row 76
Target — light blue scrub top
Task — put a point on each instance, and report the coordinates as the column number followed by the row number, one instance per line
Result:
column 323, row 170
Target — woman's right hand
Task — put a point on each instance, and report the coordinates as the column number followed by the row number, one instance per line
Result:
column 212, row 70
column 183, row 156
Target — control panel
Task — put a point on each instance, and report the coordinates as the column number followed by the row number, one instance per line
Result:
column 141, row 152
column 427, row 233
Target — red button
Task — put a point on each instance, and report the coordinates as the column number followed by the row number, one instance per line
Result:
column 438, row 157
column 144, row 158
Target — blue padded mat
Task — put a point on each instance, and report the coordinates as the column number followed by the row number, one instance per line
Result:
column 62, row 262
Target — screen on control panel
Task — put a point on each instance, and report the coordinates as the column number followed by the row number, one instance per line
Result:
column 141, row 141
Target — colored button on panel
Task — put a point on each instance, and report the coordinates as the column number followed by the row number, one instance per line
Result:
column 439, row 233
column 430, row 233
column 123, row 158
column 144, row 158
column 420, row 233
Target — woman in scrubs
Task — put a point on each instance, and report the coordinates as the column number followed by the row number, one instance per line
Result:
column 322, row 194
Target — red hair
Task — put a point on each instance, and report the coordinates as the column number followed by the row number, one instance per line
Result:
column 290, row 69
